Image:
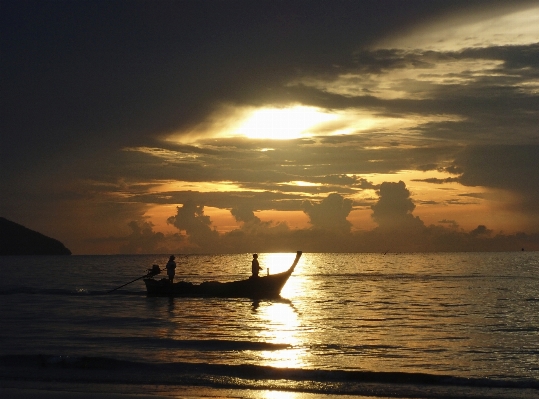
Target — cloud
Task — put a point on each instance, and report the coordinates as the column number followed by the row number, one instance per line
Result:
column 436, row 180
column 96, row 115
column 144, row 240
column 474, row 26
column 460, row 95
column 244, row 214
column 506, row 167
column 259, row 236
column 330, row 213
column 394, row 208
column 480, row 230
column 451, row 223
column 190, row 217
column 398, row 231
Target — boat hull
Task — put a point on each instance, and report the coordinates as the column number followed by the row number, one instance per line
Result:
column 254, row 287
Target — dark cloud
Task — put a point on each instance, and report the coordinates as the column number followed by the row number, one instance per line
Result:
column 487, row 104
column 144, row 240
column 426, row 168
column 436, row 180
column 480, row 230
column 472, row 195
column 428, row 202
column 243, row 201
column 86, row 71
column 461, row 202
column 191, row 219
column 100, row 74
column 255, row 235
column 393, row 211
column 512, row 168
column 245, row 215
column 523, row 59
column 329, row 214
column 331, row 233
column 450, row 223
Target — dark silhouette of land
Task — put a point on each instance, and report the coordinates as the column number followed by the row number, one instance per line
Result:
column 19, row 240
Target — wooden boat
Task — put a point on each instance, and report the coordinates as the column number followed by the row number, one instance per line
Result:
column 254, row 287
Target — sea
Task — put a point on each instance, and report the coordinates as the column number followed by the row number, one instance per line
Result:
column 425, row 325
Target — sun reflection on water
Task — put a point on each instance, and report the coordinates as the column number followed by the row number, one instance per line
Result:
column 282, row 322
column 282, row 327
column 281, row 395
column 279, row 262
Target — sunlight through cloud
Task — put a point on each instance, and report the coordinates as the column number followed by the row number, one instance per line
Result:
column 283, row 123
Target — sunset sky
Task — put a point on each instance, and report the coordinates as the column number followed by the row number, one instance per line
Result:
column 243, row 126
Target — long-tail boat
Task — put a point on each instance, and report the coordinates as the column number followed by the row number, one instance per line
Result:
column 269, row 286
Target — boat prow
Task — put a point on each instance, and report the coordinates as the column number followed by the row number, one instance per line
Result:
column 254, row 287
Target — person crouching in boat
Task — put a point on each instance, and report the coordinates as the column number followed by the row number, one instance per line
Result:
column 255, row 266
column 171, row 268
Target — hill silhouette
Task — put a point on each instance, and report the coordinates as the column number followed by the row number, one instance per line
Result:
column 16, row 239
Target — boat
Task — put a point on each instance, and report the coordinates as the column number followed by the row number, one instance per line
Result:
column 261, row 287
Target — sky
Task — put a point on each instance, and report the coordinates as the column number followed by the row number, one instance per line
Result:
column 272, row 126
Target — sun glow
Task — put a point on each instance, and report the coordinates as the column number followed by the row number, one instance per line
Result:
column 284, row 123
column 304, row 183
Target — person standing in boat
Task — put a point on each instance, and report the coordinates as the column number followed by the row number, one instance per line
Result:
column 255, row 266
column 171, row 268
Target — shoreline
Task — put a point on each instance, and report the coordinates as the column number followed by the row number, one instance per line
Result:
column 28, row 389
column 53, row 390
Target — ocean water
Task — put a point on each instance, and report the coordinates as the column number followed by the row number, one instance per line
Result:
column 449, row 325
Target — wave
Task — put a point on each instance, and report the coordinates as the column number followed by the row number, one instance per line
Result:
column 21, row 290
column 246, row 376
column 220, row 345
column 63, row 291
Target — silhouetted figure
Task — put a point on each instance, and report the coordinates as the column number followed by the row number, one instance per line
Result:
column 171, row 268
column 255, row 266
column 154, row 271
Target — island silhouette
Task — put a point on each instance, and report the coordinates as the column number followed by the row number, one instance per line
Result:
column 16, row 239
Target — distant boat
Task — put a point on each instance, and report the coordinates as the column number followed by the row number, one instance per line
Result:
column 269, row 286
